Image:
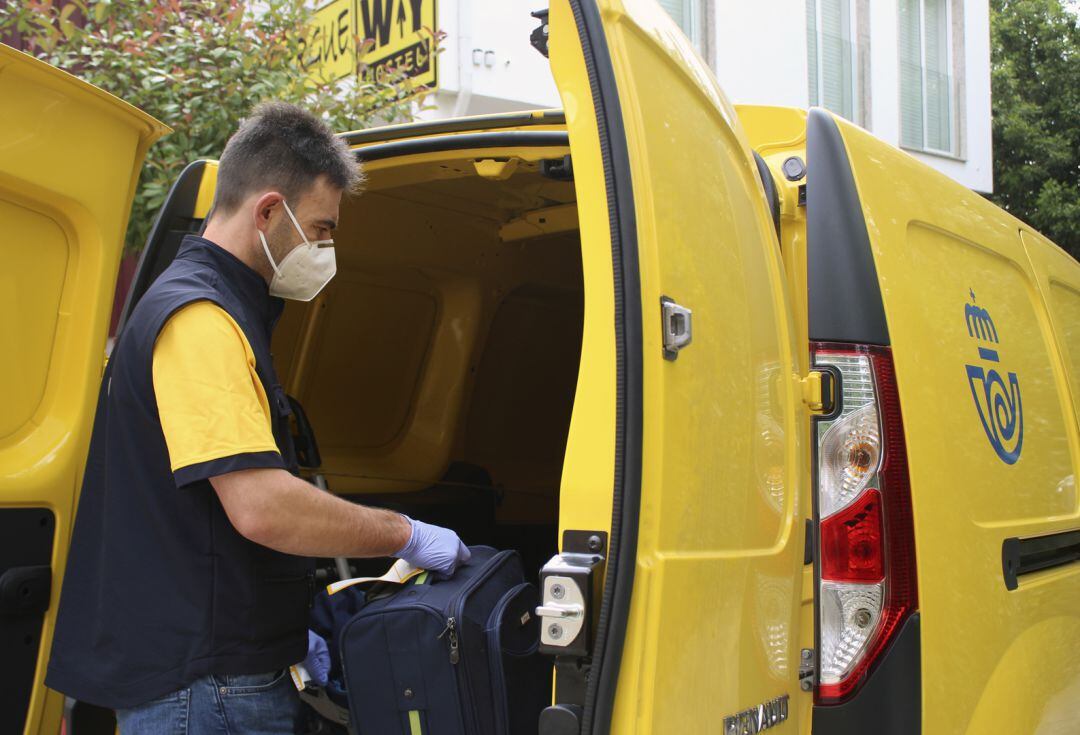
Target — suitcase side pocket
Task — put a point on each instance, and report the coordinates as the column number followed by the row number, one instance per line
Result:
column 521, row 677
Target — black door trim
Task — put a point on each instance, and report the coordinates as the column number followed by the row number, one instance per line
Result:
column 1020, row 556
column 464, row 141
column 622, row 557
column 843, row 295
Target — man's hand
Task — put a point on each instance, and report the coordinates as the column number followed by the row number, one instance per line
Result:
column 434, row 548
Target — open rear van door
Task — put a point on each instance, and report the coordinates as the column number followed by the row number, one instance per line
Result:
column 686, row 437
column 70, row 160
column 907, row 261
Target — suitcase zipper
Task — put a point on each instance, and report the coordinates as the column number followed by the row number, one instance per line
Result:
column 451, row 622
column 451, row 632
column 469, row 705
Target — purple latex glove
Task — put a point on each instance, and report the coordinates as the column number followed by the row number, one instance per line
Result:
column 434, row 548
column 317, row 662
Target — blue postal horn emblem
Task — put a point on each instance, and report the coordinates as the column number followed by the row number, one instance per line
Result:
column 997, row 399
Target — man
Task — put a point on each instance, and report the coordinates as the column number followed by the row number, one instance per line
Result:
column 189, row 576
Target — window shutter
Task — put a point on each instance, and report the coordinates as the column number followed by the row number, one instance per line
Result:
column 836, row 83
column 911, row 75
column 677, row 10
column 687, row 14
column 938, row 83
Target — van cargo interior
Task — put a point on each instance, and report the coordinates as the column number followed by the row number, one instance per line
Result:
column 438, row 368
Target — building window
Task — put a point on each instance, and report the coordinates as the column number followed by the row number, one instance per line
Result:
column 831, row 56
column 690, row 16
column 926, row 97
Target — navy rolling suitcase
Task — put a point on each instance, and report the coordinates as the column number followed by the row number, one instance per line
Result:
column 449, row 657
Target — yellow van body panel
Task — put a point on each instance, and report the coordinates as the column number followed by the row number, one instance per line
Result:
column 947, row 262
column 713, row 616
column 71, row 158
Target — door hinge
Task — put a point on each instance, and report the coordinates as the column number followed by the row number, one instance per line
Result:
column 539, row 36
column 807, row 669
column 819, row 391
column 677, row 327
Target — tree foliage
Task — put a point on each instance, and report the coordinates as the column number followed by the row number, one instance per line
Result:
column 1036, row 105
column 199, row 66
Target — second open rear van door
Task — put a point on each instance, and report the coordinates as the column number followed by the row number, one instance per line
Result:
column 688, row 389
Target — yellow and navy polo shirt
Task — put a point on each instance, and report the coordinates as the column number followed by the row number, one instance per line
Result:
column 210, row 400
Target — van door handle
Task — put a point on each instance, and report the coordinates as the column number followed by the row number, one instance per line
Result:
column 677, row 327
column 25, row 590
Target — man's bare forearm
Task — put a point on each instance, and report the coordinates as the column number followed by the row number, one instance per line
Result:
column 285, row 513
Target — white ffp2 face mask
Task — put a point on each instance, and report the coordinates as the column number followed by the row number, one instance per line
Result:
column 307, row 268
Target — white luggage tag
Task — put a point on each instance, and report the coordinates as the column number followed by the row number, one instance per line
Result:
column 399, row 573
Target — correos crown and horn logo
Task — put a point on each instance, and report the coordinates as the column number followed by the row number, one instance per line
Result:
column 997, row 400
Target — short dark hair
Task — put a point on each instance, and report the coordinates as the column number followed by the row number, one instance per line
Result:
column 281, row 146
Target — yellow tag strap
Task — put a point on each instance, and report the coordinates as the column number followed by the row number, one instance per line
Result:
column 400, row 573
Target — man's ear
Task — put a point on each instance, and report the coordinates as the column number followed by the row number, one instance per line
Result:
column 264, row 209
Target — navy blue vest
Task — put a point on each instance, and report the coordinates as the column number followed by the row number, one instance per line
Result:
column 160, row 588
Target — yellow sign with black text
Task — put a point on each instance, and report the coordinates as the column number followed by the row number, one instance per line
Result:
column 394, row 34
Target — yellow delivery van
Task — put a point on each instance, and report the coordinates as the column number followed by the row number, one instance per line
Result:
column 796, row 413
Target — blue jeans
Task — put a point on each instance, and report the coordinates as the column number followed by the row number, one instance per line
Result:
column 248, row 704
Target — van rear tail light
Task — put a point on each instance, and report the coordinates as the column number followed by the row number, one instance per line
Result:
column 850, row 455
column 851, row 542
column 866, row 568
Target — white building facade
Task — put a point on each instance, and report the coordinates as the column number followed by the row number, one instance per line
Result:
column 916, row 73
column 487, row 64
